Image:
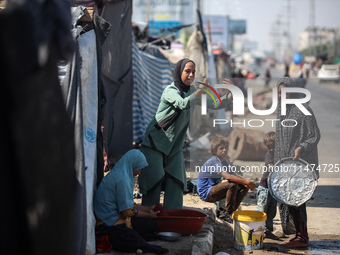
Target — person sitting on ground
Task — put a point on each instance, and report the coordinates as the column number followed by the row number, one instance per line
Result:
column 114, row 207
column 209, row 185
column 265, row 202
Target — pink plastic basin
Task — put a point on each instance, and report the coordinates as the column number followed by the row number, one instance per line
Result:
column 183, row 221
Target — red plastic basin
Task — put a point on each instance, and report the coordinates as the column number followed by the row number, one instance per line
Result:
column 183, row 221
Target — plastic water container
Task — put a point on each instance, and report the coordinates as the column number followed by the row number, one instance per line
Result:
column 249, row 229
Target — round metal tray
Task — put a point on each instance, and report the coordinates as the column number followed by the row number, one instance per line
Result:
column 292, row 182
column 169, row 236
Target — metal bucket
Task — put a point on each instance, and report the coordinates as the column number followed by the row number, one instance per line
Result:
column 292, row 182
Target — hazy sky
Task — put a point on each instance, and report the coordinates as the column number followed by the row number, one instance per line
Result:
column 261, row 14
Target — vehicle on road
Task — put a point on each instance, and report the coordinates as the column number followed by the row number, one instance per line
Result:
column 329, row 73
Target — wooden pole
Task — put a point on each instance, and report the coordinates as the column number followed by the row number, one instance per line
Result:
column 208, row 31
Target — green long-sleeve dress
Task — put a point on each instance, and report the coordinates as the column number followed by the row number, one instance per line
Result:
column 162, row 147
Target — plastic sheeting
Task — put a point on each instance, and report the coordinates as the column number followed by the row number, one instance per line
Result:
column 117, row 78
column 151, row 75
column 80, row 87
column 88, row 74
column 37, row 149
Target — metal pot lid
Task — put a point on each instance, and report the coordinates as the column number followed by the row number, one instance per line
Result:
column 292, row 182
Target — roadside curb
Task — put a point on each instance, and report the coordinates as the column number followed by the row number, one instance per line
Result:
column 203, row 242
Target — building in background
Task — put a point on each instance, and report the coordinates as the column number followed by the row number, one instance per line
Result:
column 164, row 14
column 318, row 36
column 218, row 30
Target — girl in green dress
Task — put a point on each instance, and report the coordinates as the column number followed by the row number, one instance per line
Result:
column 164, row 138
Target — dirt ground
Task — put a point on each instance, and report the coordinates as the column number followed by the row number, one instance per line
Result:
column 323, row 212
column 322, row 240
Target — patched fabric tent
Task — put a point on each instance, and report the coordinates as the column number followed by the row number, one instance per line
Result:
column 37, row 149
column 117, row 78
column 81, row 88
column 151, row 75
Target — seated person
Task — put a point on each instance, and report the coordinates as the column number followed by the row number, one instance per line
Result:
column 209, row 185
column 113, row 202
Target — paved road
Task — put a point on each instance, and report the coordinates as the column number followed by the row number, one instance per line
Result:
column 323, row 210
column 325, row 103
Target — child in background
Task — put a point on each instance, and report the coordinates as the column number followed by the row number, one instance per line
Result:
column 209, row 185
column 265, row 202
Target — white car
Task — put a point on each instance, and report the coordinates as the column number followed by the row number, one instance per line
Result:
column 329, row 73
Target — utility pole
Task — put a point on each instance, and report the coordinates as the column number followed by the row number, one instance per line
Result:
column 311, row 34
column 289, row 44
column 276, row 33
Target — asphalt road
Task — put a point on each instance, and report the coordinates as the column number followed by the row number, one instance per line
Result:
column 325, row 103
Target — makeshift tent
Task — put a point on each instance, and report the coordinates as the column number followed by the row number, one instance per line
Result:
column 52, row 190
column 117, row 78
column 150, row 75
column 81, row 88
column 112, row 109
column 37, row 181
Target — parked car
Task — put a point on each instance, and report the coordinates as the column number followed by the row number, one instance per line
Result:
column 329, row 73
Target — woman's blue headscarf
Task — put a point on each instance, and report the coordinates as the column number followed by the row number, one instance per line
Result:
column 115, row 192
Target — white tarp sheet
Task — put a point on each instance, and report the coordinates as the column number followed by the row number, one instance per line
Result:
column 89, row 89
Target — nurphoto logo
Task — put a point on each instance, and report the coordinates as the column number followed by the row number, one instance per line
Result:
column 238, row 104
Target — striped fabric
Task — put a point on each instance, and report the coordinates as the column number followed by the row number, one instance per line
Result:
column 150, row 76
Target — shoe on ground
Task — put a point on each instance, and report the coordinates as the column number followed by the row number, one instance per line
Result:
column 229, row 219
column 220, row 211
column 225, row 216
column 270, row 235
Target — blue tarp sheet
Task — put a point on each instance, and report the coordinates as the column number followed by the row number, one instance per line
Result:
column 150, row 76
